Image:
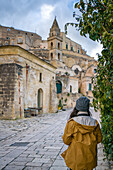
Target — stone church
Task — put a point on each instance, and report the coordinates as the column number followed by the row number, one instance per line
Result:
column 47, row 74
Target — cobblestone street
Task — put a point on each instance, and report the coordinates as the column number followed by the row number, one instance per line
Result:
column 36, row 143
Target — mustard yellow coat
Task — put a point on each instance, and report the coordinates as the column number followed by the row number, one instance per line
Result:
column 82, row 140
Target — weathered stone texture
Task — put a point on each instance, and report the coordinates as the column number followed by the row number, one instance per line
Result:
column 7, row 89
column 21, row 86
column 53, row 97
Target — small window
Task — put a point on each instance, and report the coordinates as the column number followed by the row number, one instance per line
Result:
column 89, row 86
column 20, row 41
column 18, row 32
column 95, row 70
column 31, row 34
column 13, row 43
column 58, row 56
column 71, row 48
column 51, row 56
column 26, row 33
column 70, row 89
column 7, row 38
column 8, row 29
column 78, row 50
column 40, row 78
column 66, row 46
column 76, row 71
column 59, row 46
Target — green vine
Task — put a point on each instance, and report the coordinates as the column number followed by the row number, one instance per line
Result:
column 96, row 20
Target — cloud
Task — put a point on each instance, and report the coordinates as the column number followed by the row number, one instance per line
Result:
column 37, row 16
column 91, row 47
column 46, row 11
column 96, row 50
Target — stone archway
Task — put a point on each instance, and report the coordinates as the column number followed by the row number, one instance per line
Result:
column 51, row 45
column 58, row 56
column 58, row 45
column 74, row 67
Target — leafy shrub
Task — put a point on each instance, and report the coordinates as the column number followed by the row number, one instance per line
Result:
column 96, row 20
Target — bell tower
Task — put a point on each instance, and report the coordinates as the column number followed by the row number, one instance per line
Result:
column 55, row 42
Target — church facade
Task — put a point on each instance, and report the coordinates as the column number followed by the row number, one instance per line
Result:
column 66, row 67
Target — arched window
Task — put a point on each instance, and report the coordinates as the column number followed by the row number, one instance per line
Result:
column 59, row 46
column 76, row 71
column 59, row 87
column 70, row 89
column 51, row 56
column 58, row 56
column 51, row 44
column 40, row 98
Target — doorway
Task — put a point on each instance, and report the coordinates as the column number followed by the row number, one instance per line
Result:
column 40, row 99
column 59, row 87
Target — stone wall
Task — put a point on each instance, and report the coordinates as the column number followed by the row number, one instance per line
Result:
column 21, row 70
column 24, row 39
column 75, row 46
column 53, row 97
column 68, row 100
column 9, row 82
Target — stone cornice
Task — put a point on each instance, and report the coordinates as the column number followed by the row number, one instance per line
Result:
column 17, row 50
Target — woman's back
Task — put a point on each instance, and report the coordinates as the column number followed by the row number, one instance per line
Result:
column 82, row 134
column 82, row 140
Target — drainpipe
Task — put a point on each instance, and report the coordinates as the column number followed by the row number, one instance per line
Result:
column 19, row 92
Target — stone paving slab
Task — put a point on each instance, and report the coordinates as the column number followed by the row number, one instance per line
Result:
column 36, row 143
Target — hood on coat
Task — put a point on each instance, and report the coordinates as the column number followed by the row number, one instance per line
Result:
column 83, row 128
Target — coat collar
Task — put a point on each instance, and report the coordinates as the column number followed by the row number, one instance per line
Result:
column 81, row 113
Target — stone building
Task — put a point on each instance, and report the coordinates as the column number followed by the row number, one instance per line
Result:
column 25, row 81
column 74, row 67
column 71, row 68
column 11, row 36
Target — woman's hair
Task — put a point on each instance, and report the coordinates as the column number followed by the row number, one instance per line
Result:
column 75, row 111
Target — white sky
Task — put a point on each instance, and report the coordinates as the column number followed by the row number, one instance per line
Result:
column 38, row 15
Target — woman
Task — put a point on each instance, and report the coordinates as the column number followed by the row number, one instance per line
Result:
column 82, row 134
